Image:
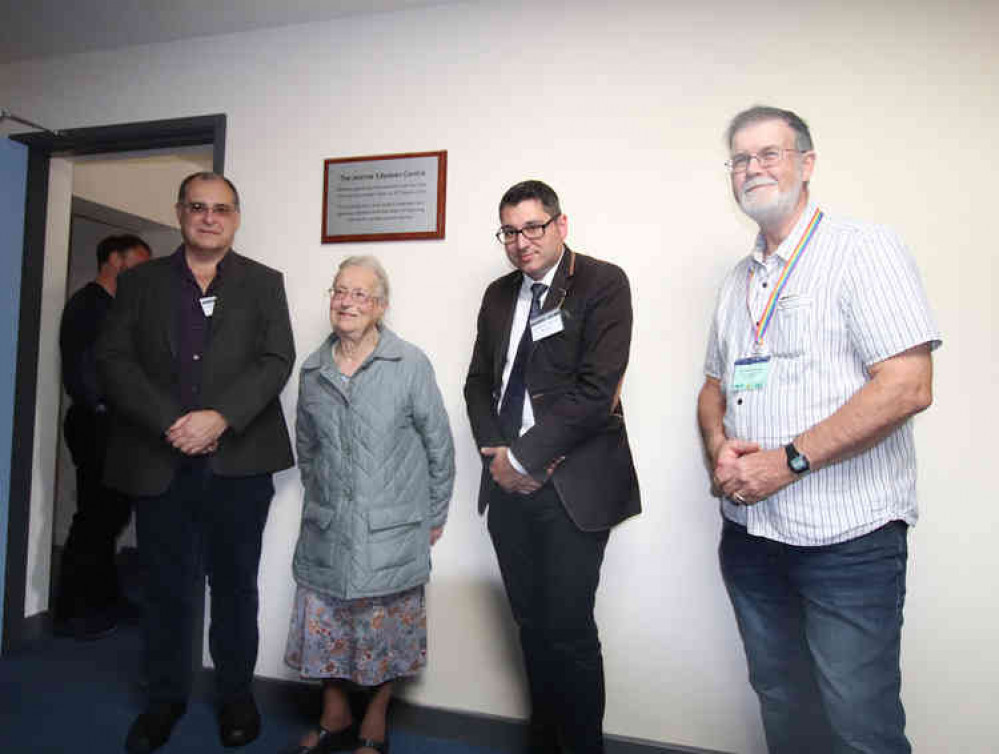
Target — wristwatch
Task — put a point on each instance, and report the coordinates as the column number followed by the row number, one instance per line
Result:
column 796, row 461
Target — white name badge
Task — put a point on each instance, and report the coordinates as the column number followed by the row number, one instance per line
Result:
column 750, row 373
column 547, row 324
column 208, row 304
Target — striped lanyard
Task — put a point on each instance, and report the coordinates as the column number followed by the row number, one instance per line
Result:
column 763, row 323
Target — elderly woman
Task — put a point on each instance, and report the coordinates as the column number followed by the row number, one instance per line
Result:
column 377, row 461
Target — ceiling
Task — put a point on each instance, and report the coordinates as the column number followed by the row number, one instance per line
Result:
column 48, row 28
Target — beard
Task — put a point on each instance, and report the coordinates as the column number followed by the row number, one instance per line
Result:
column 769, row 211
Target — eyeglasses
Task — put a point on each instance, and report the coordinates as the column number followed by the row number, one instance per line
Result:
column 200, row 208
column 356, row 296
column 531, row 231
column 767, row 158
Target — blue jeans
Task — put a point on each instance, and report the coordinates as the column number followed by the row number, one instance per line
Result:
column 821, row 628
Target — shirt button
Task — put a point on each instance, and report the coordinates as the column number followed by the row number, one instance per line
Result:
column 739, row 402
column 764, row 285
column 197, row 357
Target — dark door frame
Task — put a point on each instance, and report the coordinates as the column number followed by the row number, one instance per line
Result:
column 127, row 137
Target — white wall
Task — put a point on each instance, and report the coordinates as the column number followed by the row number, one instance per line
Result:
column 621, row 108
column 134, row 182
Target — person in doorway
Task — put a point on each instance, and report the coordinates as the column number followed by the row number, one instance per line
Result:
column 193, row 359
column 89, row 595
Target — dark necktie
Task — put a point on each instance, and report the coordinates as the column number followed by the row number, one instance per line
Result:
column 511, row 413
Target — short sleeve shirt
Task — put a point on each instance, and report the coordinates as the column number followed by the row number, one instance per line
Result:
column 855, row 298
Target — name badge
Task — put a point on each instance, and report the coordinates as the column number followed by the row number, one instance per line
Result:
column 208, row 304
column 547, row 324
column 751, row 373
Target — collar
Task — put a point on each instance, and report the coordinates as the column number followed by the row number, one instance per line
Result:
column 179, row 261
column 786, row 248
column 526, row 281
column 389, row 348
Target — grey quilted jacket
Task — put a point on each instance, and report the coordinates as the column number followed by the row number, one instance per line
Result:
column 377, row 462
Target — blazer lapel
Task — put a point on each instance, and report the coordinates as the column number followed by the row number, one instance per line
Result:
column 560, row 283
column 162, row 293
column 230, row 291
column 506, row 309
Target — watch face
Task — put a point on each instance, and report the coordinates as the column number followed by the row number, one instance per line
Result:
column 799, row 464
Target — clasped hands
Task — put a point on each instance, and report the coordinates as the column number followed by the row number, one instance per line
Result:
column 746, row 475
column 511, row 480
column 197, row 432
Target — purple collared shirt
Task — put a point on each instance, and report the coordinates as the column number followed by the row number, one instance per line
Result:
column 193, row 327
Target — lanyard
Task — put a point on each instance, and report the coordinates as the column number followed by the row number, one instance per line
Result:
column 792, row 262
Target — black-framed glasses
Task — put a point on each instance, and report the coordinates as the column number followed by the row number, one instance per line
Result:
column 767, row 157
column 356, row 296
column 531, row 231
column 200, row 208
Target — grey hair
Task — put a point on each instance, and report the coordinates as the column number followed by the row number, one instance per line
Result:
column 368, row 262
column 760, row 113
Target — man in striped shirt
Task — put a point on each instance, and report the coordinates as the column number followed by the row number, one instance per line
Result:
column 819, row 355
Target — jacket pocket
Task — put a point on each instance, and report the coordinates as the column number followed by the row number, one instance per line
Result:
column 316, row 542
column 318, row 515
column 394, row 536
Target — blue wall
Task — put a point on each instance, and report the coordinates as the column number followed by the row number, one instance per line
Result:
column 13, row 175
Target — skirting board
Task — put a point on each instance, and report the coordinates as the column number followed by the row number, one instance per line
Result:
column 474, row 728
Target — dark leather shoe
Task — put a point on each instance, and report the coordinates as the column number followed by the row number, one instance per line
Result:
column 153, row 727
column 239, row 722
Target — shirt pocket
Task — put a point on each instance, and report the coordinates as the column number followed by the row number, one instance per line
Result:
column 789, row 334
column 394, row 536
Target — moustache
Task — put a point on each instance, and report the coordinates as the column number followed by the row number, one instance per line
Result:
column 756, row 183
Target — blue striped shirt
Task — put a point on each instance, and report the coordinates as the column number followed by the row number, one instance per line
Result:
column 854, row 299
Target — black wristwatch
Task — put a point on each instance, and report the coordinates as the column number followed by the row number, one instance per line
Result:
column 796, row 461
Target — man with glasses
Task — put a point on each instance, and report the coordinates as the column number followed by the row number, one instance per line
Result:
column 194, row 356
column 543, row 397
column 818, row 357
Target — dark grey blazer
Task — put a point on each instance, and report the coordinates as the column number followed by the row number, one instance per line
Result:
column 574, row 380
column 248, row 359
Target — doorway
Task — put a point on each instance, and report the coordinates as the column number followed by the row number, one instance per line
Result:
column 112, row 194
column 28, row 508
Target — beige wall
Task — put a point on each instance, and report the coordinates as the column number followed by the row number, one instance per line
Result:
column 621, row 107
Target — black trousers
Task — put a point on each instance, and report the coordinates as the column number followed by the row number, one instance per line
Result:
column 88, row 579
column 202, row 524
column 551, row 570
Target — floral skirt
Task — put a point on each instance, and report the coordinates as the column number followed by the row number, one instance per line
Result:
column 369, row 640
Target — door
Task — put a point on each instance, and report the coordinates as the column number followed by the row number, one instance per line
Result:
column 13, row 185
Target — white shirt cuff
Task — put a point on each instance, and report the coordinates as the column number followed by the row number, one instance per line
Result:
column 514, row 462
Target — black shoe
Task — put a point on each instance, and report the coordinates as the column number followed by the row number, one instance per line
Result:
column 62, row 627
column 94, row 625
column 153, row 727
column 239, row 722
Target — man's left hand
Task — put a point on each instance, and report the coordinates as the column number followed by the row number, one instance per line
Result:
column 197, row 432
column 756, row 476
column 506, row 476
